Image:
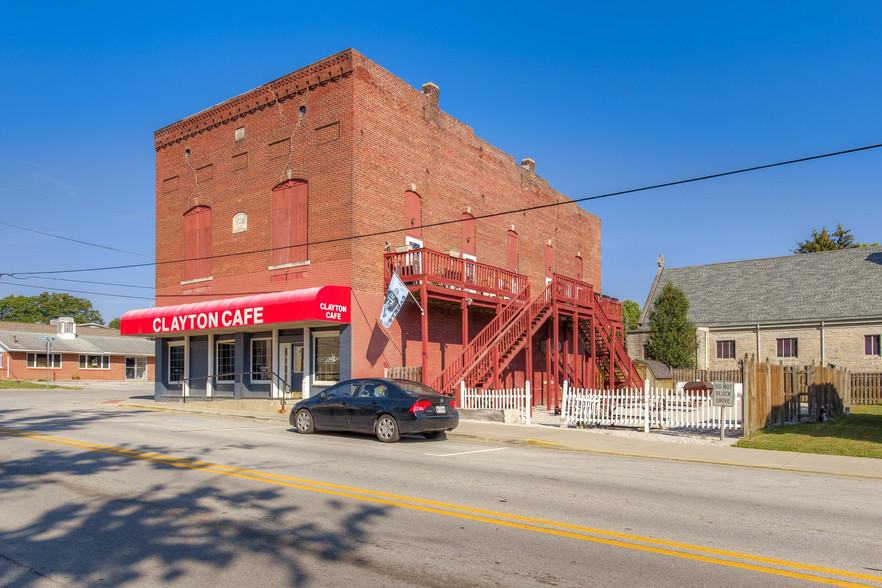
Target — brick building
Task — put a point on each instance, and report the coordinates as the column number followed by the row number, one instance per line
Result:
column 797, row 309
column 286, row 209
column 76, row 352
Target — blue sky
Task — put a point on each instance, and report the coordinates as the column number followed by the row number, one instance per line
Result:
column 604, row 96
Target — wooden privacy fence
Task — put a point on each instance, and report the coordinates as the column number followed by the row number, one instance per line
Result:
column 661, row 408
column 866, row 388
column 777, row 394
column 406, row 372
column 519, row 399
column 693, row 375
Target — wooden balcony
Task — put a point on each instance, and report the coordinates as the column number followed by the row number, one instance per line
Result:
column 452, row 278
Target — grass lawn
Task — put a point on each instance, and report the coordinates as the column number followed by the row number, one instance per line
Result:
column 858, row 434
column 22, row 385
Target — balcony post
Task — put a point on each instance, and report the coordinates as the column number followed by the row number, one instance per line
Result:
column 424, row 376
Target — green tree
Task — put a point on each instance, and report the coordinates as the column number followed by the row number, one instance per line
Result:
column 672, row 338
column 114, row 324
column 40, row 308
column 824, row 241
column 630, row 315
column 630, row 318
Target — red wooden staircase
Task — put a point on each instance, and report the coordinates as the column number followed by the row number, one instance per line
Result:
column 493, row 349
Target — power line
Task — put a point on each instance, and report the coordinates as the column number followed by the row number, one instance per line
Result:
column 485, row 216
column 72, row 240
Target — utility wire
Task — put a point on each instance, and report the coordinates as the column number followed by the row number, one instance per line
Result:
column 485, row 216
column 72, row 240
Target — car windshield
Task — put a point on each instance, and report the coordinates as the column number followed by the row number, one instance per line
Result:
column 416, row 387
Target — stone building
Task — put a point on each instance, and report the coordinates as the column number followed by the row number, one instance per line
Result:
column 824, row 308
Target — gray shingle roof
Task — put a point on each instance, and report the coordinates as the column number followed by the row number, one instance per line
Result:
column 89, row 341
column 809, row 286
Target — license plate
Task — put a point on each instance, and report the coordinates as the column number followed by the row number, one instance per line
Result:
column 441, row 409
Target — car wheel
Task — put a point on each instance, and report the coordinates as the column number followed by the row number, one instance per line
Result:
column 303, row 421
column 387, row 429
column 433, row 434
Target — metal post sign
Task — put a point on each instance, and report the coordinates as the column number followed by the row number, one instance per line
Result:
column 48, row 341
column 724, row 397
column 724, row 394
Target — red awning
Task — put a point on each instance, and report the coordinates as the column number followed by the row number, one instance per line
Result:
column 326, row 303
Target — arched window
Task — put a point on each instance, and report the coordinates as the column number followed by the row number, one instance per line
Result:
column 413, row 218
column 511, row 249
column 580, row 268
column 468, row 235
column 197, row 243
column 549, row 263
column 290, row 212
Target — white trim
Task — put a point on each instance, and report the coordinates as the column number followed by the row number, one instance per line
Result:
column 275, row 389
column 320, row 335
column 185, row 282
column 292, row 264
column 209, row 382
column 168, row 351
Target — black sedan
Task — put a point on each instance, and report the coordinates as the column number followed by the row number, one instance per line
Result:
column 385, row 407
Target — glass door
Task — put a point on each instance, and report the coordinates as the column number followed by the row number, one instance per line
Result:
column 292, row 366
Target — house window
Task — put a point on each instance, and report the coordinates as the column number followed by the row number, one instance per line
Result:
column 787, row 348
column 38, row 360
column 871, row 344
column 725, row 349
column 176, row 363
column 261, row 359
column 136, row 368
column 197, row 243
column 327, row 358
column 94, row 362
column 290, row 211
column 226, row 361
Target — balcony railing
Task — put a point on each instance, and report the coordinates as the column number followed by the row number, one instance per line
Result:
column 424, row 265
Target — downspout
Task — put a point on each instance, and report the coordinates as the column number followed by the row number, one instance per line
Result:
column 823, row 363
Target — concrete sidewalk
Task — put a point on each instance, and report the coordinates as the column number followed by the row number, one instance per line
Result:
column 553, row 437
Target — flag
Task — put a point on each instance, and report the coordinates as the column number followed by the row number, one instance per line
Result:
column 394, row 300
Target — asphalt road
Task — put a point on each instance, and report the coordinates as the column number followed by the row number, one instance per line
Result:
column 95, row 494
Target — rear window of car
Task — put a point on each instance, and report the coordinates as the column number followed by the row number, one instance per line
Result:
column 415, row 387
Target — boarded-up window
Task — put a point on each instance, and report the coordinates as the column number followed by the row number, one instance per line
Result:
column 240, row 161
column 280, row 148
column 579, row 268
column 290, row 211
column 204, row 173
column 511, row 248
column 549, row 262
column 412, row 214
column 169, row 185
column 468, row 234
column 197, row 243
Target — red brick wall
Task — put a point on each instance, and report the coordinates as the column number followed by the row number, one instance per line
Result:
column 364, row 139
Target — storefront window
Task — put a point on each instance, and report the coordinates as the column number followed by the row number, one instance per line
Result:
column 175, row 363
column 226, row 361
column 327, row 358
column 261, row 359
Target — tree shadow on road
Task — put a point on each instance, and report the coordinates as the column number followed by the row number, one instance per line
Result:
column 102, row 524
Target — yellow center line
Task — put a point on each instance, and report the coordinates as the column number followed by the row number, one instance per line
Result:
column 658, row 546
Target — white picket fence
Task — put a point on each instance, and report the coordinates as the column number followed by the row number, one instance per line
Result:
column 519, row 399
column 662, row 408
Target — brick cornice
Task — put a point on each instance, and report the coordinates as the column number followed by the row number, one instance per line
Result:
column 296, row 83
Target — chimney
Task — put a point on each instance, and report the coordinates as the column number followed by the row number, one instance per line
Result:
column 530, row 165
column 432, row 91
